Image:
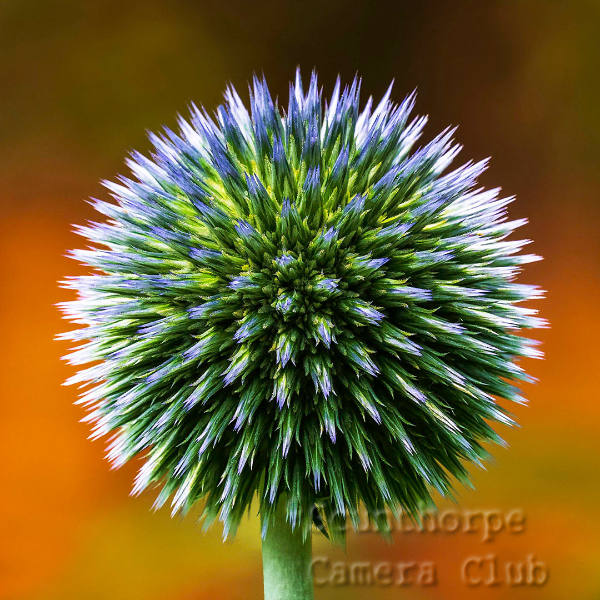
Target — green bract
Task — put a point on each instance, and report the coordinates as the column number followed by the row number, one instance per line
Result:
column 295, row 304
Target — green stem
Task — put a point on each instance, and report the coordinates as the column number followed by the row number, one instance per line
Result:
column 287, row 559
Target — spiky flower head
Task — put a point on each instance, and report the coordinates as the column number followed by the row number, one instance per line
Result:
column 292, row 303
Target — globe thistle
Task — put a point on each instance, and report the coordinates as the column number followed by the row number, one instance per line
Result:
column 295, row 304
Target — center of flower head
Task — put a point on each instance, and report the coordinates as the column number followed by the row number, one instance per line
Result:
column 300, row 288
column 289, row 304
column 299, row 306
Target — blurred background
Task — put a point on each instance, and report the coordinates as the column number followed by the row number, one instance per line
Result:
column 81, row 82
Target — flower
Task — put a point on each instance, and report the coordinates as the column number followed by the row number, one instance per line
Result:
column 296, row 304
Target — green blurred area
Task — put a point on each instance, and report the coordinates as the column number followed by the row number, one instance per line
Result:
column 83, row 80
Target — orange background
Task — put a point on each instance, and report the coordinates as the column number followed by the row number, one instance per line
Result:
column 81, row 81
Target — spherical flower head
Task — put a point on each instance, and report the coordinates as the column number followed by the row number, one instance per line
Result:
column 294, row 305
